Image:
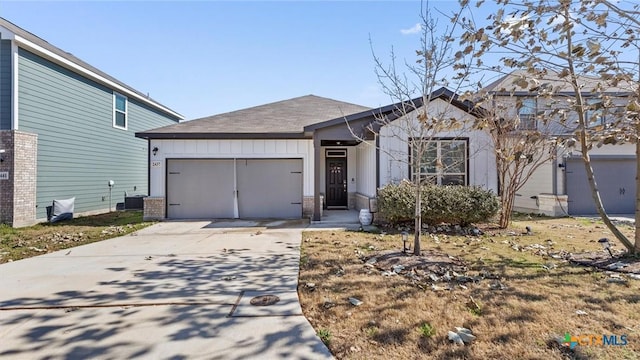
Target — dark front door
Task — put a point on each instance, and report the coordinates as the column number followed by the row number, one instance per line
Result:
column 336, row 191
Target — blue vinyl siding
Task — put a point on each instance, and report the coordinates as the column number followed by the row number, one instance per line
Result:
column 5, row 84
column 79, row 150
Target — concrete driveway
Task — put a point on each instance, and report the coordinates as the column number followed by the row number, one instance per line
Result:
column 176, row 290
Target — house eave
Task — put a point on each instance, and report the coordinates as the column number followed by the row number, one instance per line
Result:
column 225, row 136
column 79, row 69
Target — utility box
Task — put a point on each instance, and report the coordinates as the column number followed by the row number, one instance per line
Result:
column 134, row 202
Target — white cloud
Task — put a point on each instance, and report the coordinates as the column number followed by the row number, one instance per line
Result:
column 412, row 30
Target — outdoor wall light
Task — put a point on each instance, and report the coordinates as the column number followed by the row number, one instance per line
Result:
column 155, row 150
column 606, row 245
column 405, row 238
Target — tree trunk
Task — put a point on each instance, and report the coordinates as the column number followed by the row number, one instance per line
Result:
column 418, row 219
column 636, row 248
column 595, row 193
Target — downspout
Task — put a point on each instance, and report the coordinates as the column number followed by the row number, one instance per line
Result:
column 148, row 167
column 554, row 172
column 377, row 162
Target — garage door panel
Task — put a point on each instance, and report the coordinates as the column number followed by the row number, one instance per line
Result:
column 616, row 183
column 198, row 189
column 269, row 188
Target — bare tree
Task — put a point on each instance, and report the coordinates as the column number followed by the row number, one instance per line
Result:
column 582, row 41
column 521, row 146
column 415, row 119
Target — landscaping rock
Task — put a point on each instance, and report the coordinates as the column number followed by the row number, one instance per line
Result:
column 465, row 334
column 452, row 336
column 617, row 266
column 581, row 312
column 328, row 304
column 355, row 302
column 461, row 336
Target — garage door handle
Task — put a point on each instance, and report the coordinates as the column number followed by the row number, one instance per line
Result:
column 174, row 204
column 174, row 173
column 296, row 203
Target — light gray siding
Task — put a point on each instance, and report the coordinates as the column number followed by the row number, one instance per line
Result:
column 78, row 148
column 5, row 84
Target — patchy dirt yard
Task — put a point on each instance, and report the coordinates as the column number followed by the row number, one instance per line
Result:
column 518, row 293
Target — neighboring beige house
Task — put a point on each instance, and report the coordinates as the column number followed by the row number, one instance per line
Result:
column 560, row 186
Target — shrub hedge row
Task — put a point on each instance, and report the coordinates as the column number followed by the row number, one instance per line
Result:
column 455, row 205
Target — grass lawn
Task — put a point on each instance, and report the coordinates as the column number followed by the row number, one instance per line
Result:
column 520, row 299
column 16, row 244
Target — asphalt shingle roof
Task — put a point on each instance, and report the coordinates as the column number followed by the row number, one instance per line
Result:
column 286, row 116
column 506, row 84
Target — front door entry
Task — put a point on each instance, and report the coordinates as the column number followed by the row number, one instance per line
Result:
column 336, row 186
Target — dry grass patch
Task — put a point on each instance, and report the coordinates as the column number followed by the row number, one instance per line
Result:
column 507, row 288
column 16, row 244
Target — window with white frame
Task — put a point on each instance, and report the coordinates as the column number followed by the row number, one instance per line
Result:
column 119, row 111
column 527, row 114
column 443, row 161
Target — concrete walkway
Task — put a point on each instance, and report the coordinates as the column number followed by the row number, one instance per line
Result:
column 176, row 290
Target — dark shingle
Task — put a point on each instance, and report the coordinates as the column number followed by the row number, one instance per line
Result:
column 287, row 116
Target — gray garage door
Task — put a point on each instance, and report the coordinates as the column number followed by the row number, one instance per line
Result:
column 203, row 189
column 616, row 182
column 199, row 189
column 269, row 188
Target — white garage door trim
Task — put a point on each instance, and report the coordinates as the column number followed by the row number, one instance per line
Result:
column 247, row 198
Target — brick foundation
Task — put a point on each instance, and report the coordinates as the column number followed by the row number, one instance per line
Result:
column 307, row 206
column 361, row 201
column 154, row 208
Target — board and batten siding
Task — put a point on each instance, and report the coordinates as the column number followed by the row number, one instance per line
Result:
column 366, row 169
column 394, row 147
column 79, row 150
column 5, row 84
column 229, row 149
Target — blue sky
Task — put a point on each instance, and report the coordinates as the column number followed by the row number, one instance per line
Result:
column 207, row 57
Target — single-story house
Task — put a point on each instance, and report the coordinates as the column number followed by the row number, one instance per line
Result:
column 292, row 158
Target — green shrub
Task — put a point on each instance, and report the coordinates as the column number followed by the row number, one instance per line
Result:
column 455, row 205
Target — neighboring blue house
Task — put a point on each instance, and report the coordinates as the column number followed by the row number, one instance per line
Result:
column 66, row 129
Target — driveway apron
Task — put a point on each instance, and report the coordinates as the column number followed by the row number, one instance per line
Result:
column 175, row 290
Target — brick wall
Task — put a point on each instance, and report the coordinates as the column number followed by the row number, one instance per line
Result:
column 307, row 206
column 6, row 186
column 24, row 178
column 18, row 192
column 154, row 208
